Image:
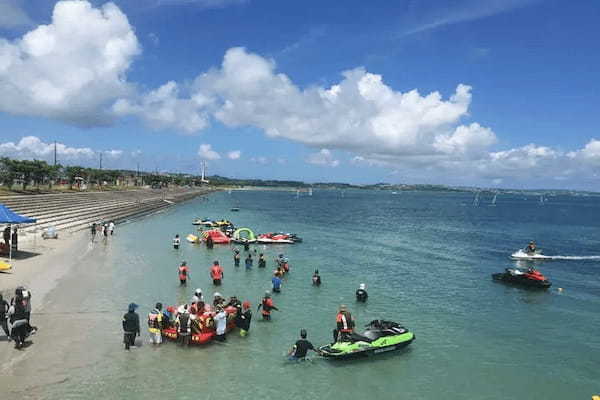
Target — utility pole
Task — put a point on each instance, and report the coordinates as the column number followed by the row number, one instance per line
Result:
column 55, row 153
column 100, row 160
column 137, row 175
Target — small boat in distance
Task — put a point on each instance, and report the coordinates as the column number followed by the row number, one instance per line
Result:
column 235, row 209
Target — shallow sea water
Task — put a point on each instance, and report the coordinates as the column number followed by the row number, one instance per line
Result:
column 426, row 259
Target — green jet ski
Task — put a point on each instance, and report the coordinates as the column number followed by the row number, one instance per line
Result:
column 379, row 337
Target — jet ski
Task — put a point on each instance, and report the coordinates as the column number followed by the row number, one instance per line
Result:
column 273, row 238
column 531, row 278
column 529, row 255
column 379, row 337
column 203, row 222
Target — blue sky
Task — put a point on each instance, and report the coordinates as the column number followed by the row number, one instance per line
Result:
column 490, row 93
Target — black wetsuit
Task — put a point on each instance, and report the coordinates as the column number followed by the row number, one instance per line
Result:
column 361, row 295
column 242, row 319
column 262, row 263
column 302, row 347
column 236, row 260
column 3, row 311
column 131, row 328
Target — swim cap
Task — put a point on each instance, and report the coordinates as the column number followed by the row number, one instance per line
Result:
column 217, row 294
column 343, row 307
column 246, row 305
column 362, row 286
column 303, row 333
column 198, row 292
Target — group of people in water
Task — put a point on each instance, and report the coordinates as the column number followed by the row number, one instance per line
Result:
column 197, row 319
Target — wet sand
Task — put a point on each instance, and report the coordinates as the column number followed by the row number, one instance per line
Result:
column 61, row 274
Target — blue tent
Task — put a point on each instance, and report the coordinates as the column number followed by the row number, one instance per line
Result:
column 8, row 216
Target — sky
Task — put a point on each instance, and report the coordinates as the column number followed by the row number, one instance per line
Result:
column 489, row 93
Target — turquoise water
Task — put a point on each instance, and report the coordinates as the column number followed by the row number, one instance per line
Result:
column 426, row 259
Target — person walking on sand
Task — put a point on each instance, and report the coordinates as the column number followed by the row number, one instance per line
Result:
column 176, row 242
column 105, row 231
column 7, row 236
column 4, row 315
column 93, row 231
column 184, row 272
column 131, row 326
column 111, row 227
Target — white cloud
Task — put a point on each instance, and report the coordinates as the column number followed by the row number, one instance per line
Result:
column 163, row 108
column 589, row 155
column 234, row 154
column 323, row 157
column 260, row 160
column 206, row 152
column 71, row 69
column 12, row 14
column 30, row 147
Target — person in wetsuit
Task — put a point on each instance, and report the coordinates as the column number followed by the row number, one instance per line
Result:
column 300, row 349
column 262, row 261
column 361, row 293
column 209, row 242
column 236, row 258
column 243, row 318
column 131, row 326
column 316, row 278
column 249, row 261
column 176, row 242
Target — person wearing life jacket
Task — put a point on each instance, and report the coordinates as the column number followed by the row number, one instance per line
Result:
column 267, row 305
column 531, row 248
column 243, row 318
column 262, row 261
column 361, row 293
column 216, row 273
column 285, row 265
column 183, row 324
column 233, row 302
column 236, row 258
column 184, row 272
column 345, row 324
column 218, row 300
column 168, row 317
column 155, row 324
column 176, row 242
column 316, row 278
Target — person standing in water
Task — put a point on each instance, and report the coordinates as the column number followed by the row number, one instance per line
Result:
column 131, row 326
column 155, row 324
column 93, row 231
column 176, row 242
column 249, row 261
column 184, row 272
column 316, row 278
column 209, row 242
column 276, row 281
column 216, row 273
column 236, row 258
column 243, row 318
column 299, row 350
column 183, row 323
column 361, row 293
column 267, row 305
column 220, row 319
column 344, row 324
column 262, row 261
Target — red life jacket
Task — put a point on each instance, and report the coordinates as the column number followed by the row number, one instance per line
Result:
column 267, row 305
column 344, row 322
column 183, row 270
column 216, row 272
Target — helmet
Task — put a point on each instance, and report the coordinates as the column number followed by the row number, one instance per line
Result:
column 216, row 262
column 198, row 292
column 246, row 305
column 267, row 294
column 158, row 306
column 217, row 294
column 303, row 333
column 343, row 307
column 132, row 307
column 183, row 262
column 362, row 286
column 195, row 299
